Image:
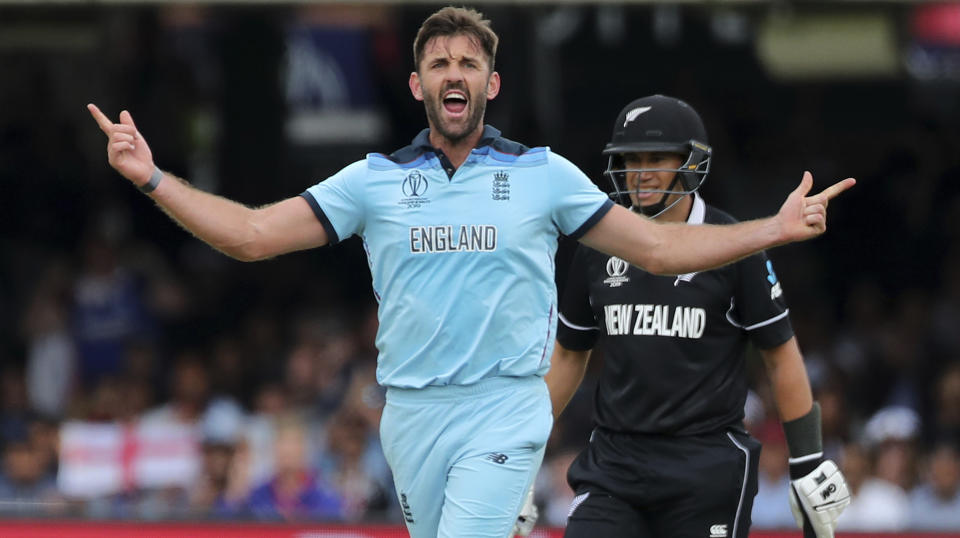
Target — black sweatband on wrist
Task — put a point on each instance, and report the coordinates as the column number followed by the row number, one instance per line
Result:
column 805, row 442
column 151, row 185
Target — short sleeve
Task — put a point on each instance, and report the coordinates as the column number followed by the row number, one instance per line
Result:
column 759, row 305
column 576, row 203
column 338, row 202
column 577, row 329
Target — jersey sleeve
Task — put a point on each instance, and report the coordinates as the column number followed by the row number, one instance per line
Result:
column 576, row 203
column 759, row 306
column 577, row 329
column 338, row 202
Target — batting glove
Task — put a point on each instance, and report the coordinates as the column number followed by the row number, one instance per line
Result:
column 528, row 516
column 819, row 497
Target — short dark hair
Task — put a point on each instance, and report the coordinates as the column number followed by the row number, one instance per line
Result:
column 451, row 21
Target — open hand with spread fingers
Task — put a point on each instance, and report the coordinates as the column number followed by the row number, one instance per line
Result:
column 804, row 217
column 127, row 151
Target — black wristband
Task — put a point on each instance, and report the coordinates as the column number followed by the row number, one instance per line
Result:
column 151, row 185
column 805, row 442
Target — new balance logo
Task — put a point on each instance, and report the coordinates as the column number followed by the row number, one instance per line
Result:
column 828, row 491
column 407, row 513
column 497, row 458
column 718, row 531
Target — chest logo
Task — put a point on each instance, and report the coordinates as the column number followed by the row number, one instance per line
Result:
column 617, row 271
column 501, row 185
column 414, row 189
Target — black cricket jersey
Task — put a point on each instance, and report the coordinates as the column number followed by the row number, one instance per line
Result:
column 673, row 345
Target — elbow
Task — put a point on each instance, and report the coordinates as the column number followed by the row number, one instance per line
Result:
column 653, row 260
column 651, row 253
column 249, row 244
column 656, row 265
column 246, row 253
column 242, row 252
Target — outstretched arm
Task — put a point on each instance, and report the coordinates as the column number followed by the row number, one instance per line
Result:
column 679, row 248
column 239, row 231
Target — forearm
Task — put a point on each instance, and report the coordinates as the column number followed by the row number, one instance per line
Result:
column 679, row 248
column 567, row 369
column 788, row 379
column 225, row 225
column 682, row 248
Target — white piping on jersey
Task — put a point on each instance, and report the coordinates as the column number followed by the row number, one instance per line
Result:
column 743, row 487
column 808, row 457
column 774, row 319
column 575, row 326
column 577, row 501
column 698, row 214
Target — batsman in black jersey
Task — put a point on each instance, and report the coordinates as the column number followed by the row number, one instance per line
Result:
column 669, row 457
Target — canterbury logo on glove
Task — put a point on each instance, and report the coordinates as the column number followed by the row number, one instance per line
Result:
column 819, row 497
column 528, row 516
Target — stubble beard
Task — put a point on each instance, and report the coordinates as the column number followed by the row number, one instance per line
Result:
column 434, row 109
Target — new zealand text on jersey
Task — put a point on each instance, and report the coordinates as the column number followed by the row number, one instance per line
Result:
column 655, row 320
column 472, row 238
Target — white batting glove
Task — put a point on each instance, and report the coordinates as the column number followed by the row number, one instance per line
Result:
column 820, row 496
column 528, row 516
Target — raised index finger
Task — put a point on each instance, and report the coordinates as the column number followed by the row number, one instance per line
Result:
column 833, row 190
column 103, row 121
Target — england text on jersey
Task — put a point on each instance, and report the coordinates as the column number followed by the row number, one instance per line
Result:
column 655, row 320
column 472, row 238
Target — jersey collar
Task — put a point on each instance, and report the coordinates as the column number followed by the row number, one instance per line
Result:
column 422, row 140
column 698, row 212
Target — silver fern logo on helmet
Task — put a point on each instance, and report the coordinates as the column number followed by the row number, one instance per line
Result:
column 632, row 115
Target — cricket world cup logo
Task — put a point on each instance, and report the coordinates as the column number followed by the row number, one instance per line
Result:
column 414, row 184
column 617, row 269
column 414, row 189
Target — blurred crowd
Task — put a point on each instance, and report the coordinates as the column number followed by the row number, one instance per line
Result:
column 104, row 418
column 137, row 391
column 145, row 376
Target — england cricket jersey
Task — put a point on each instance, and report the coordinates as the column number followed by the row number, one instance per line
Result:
column 673, row 346
column 462, row 259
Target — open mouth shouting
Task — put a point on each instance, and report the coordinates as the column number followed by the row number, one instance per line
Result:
column 455, row 103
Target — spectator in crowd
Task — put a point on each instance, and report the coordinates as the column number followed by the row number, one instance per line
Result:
column 773, row 481
column 295, row 492
column 835, row 415
column 553, row 494
column 108, row 310
column 935, row 504
column 876, row 505
column 51, row 354
column 270, row 406
column 189, row 391
column 27, row 488
column 353, row 464
column 15, row 415
column 351, row 457
column 223, row 482
column 947, row 410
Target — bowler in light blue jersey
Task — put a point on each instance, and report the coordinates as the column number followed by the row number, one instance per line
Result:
column 460, row 228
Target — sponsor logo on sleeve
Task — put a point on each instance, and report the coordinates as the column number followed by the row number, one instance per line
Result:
column 775, row 289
